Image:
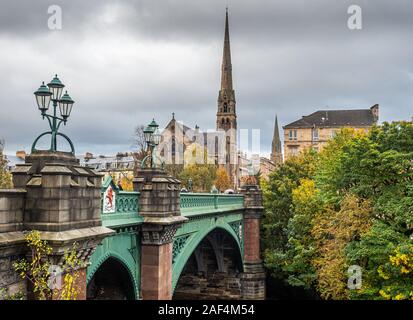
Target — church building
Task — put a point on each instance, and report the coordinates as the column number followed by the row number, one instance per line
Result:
column 221, row 145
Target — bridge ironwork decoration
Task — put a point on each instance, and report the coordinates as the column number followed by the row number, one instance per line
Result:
column 119, row 208
column 178, row 245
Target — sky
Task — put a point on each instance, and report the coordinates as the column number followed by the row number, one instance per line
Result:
column 126, row 62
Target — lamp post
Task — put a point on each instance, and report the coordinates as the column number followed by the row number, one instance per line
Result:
column 190, row 184
column 152, row 139
column 53, row 92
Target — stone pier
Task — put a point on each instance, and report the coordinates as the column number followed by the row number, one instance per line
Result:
column 61, row 199
column 160, row 208
column 253, row 278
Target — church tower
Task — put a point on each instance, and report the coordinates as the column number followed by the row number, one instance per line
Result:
column 276, row 153
column 226, row 113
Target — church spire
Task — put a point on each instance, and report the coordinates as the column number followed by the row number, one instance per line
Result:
column 276, row 153
column 226, row 114
column 226, row 69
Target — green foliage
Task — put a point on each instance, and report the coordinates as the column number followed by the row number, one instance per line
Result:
column 202, row 175
column 5, row 176
column 278, row 203
column 222, row 180
column 5, row 295
column 300, row 248
column 352, row 204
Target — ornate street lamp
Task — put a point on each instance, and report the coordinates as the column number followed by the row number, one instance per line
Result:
column 152, row 138
column 53, row 92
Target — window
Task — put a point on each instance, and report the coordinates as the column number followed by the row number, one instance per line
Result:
column 225, row 107
column 173, row 146
column 292, row 135
column 293, row 150
column 314, row 134
column 333, row 133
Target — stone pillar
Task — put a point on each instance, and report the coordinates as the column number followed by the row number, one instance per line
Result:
column 160, row 206
column 11, row 247
column 253, row 278
column 61, row 200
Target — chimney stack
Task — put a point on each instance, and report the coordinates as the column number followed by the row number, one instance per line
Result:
column 375, row 111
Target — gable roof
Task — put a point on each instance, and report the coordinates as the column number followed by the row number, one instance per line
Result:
column 182, row 130
column 335, row 118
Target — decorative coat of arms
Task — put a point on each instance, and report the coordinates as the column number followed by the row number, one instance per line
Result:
column 109, row 200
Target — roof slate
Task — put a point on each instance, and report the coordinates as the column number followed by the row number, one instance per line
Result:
column 335, row 118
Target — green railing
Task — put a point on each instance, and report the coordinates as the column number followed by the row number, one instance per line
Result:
column 202, row 203
column 121, row 208
column 124, row 206
column 127, row 202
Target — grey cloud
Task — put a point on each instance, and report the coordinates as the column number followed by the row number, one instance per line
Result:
column 125, row 62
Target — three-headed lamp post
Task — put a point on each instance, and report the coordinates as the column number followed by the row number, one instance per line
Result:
column 53, row 92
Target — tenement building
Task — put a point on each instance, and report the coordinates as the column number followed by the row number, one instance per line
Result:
column 314, row 130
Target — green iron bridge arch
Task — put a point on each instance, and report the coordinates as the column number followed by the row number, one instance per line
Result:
column 205, row 214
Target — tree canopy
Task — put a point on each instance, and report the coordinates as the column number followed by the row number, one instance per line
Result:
column 350, row 204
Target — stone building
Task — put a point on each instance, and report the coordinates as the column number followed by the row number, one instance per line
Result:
column 314, row 130
column 120, row 166
column 262, row 165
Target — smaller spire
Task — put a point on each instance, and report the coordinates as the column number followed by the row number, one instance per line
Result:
column 173, row 115
column 276, row 152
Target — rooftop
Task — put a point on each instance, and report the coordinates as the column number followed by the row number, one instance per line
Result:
column 336, row 118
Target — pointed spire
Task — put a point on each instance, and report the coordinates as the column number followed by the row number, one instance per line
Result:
column 276, row 153
column 226, row 69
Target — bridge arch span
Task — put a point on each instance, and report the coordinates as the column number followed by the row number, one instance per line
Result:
column 212, row 235
column 122, row 266
column 120, row 253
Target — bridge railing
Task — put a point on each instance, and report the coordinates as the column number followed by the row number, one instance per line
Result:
column 201, row 203
column 119, row 208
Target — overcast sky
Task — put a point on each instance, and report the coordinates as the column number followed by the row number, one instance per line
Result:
column 124, row 62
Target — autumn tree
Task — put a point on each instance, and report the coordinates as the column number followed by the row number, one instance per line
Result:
column 36, row 270
column 5, row 176
column 277, row 192
column 202, row 176
column 222, row 181
column 331, row 232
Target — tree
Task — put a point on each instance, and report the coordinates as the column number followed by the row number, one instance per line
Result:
column 352, row 204
column 397, row 274
column 202, row 176
column 277, row 194
column 299, row 252
column 125, row 182
column 332, row 231
column 222, row 181
column 5, row 176
column 139, row 143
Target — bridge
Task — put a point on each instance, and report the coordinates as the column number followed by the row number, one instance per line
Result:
column 151, row 243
